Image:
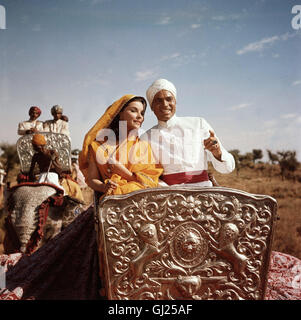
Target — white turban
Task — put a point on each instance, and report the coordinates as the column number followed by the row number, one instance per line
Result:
column 158, row 85
column 56, row 108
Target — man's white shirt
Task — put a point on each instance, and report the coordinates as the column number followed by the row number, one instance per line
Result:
column 58, row 126
column 27, row 125
column 178, row 145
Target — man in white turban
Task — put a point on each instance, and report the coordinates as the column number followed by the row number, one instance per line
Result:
column 183, row 145
column 57, row 124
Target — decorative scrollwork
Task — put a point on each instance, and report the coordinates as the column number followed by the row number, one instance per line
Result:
column 56, row 141
column 187, row 243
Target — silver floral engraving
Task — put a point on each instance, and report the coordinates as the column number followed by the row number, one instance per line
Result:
column 186, row 243
column 57, row 141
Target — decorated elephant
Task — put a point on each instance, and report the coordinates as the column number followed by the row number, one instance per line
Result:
column 36, row 213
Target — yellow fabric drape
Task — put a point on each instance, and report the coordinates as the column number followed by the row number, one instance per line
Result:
column 72, row 189
column 139, row 155
column 140, row 161
column 104, row 122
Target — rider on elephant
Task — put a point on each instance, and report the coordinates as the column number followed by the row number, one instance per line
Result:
column 33, row 125
column 58, row 124
column 47, row 160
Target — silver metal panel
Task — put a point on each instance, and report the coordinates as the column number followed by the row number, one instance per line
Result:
column 57, row 141
column 186, row 243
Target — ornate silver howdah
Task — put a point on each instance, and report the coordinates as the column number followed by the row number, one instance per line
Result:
column 57, row 141
column 186, row 243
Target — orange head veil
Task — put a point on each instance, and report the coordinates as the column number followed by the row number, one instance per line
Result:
column 104, row 122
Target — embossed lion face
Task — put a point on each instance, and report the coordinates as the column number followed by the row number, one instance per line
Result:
column 148, row 232
column 188, row 247
column 190, row 243
column 229, row 232
column 188, row 285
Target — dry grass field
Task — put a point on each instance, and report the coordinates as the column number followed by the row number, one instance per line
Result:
column 287, row 237
column 263, row 179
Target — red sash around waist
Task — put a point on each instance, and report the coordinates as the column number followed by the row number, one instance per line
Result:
column 186, row 177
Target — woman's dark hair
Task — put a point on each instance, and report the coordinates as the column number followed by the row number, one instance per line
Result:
column 115, row 123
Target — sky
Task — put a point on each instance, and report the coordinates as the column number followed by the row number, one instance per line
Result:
column 235, row 63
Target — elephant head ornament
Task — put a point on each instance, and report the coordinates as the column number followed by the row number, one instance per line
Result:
column 25, row 204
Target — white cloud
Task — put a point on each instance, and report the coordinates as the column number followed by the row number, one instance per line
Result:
column 240, row 106
column 171, row 56
column 288, row 35
column 288, row 116
column 262, row 44
column 296, row 83
column 164, row 21
column 219, row 18
column 99, row 79
column 195, row 26
column 144, row 75
column 177, row 60
column 270, row 123
column 258, row 45
column 275, row 55
column 226, row 17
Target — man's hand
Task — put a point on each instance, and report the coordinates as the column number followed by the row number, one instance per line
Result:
column 213, row 146
column 32, row 130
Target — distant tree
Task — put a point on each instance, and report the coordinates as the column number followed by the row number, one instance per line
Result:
column 248, row 156
column 257, row 154
column 273, row 157
column 9, row 155
column 247, row 160
column 288, row 162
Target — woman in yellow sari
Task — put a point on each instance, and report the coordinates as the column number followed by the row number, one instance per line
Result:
column 113, row 159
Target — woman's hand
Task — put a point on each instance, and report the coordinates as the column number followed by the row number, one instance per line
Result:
column 121, row 170
column 109, row 187
column 94, row 179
